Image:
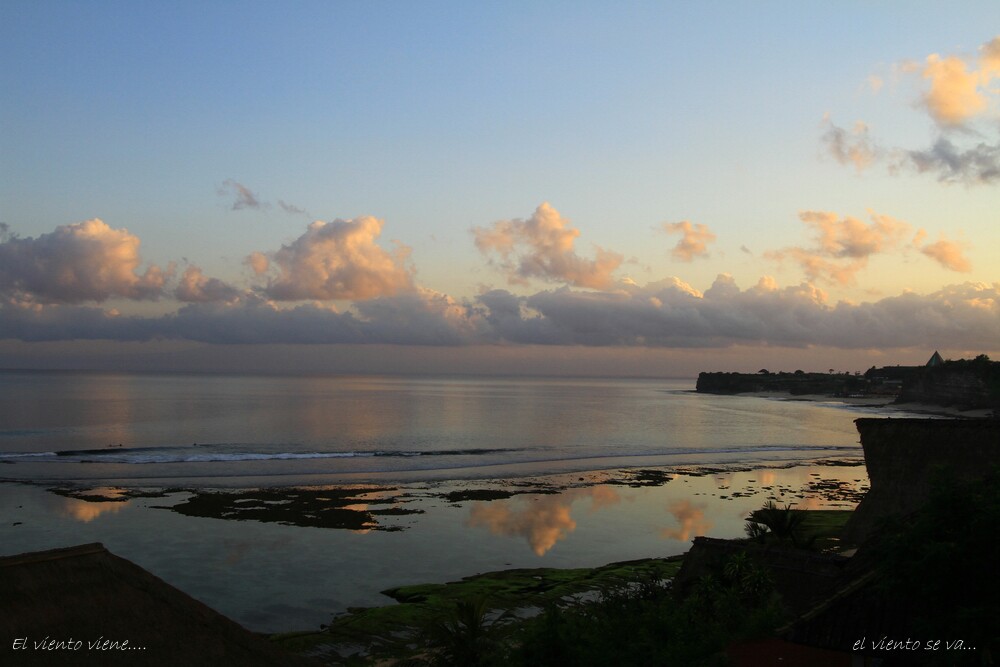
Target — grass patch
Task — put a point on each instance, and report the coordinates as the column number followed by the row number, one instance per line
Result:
column 389, row 632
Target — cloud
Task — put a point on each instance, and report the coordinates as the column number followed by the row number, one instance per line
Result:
column 542, row 247
column 694, row 239
column 258, row 262
column 243, row 197
column 948, row 254
column 954, row 96
column 666, row 314
column 959, row 96
column 86, row 261
column 335, row 260
column 850, row 147
column 850, row 237
column 976, row 165
column 842, row 245
column 291, row 209
column 959, row 88
column 194, row 286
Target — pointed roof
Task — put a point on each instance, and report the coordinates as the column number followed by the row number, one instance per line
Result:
column 935, row 360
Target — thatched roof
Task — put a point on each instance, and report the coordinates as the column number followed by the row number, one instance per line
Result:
column 85, row 593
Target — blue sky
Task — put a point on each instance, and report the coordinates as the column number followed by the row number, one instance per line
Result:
column 439, row 118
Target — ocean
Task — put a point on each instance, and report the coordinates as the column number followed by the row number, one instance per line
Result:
column 127, row 428
column 281, row 501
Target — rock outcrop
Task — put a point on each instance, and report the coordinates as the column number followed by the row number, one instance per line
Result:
column 966, row 383
column 797, row 383
column 904, row 457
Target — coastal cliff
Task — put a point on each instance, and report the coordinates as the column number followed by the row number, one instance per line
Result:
column 797, row 383
column 964, row 384
column 968, row 383
column 905, row 456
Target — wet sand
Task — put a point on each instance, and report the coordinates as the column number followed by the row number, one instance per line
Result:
column 885, row 403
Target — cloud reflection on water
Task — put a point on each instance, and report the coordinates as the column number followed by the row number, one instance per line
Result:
column 691, row 521
column 85, row 511
column 543, row 520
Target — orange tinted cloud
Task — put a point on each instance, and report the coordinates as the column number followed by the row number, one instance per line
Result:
column 542, row 247
column 960, row 90
column 335, row 260
column 960, row 87
column 86, row 261
column 694, row 239
column 842, row 244
column 954, row 94
column 948, row 254
column 195, row 286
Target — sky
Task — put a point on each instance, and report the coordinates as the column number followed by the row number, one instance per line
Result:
column 567, row 188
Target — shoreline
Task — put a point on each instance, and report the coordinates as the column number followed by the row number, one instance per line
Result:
column 287, row 559
column 889, row 405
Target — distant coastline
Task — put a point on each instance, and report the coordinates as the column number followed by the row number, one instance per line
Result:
column 965, row 387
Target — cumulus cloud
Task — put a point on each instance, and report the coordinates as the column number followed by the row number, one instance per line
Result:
column 842, row 244
column 959, row 87
column 664, row 315
column 955, row 93
column 694, row 239
column 542, row 247
column 960, row 98
column 86, row 261
column 243, row 197
column 335, row 260
column 948, row 254
column 850, row 237
column 195, row 286
column 667, row 314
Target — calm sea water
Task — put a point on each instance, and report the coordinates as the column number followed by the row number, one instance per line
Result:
column 415, row 439
column 133, row 427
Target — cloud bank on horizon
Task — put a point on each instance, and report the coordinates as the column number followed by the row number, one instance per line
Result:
column 345, row 288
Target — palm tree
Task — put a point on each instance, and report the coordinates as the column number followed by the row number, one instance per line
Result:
column 466, row 636
column 783, row 523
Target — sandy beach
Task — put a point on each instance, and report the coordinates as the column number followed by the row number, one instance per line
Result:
column 888, row 405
